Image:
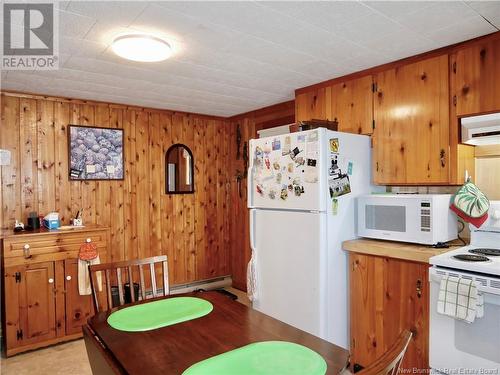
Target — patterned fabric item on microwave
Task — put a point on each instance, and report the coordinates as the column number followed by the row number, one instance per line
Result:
column 470, row 204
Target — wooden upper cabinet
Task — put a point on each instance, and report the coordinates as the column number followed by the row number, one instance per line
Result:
column 352, row 105
column 411, row 112
column 312, row 105
column 476, row 76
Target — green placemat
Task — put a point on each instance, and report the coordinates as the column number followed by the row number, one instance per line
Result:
column 157, row 314
column 263, row 358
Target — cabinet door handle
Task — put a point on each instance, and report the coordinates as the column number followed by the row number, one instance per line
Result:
column 442, row 157
column 68, row 278
column 419, row 288
column 51, row 281
column 26, row 251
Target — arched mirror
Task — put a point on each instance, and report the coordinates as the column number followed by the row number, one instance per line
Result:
column 179, row 170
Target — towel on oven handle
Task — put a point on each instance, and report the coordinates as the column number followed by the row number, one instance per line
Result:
column 460, row 298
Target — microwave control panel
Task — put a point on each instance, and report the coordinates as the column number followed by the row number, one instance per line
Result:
column 425, row 216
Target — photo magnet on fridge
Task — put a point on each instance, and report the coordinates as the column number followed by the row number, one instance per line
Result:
column 286, row 146
column 276, row 166
column 284, row 194
column 301, row 138
column 311, row 162
column 339, row 186
column 334, row 145
column 313, row 136
column 335, row 206
column 349, row 168
column 334, row 166
column 276, row 145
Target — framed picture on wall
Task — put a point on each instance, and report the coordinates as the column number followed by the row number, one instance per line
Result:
column 95, row 153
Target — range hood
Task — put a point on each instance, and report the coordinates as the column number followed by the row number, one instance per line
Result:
column 481, row 130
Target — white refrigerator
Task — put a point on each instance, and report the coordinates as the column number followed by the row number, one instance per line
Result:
column 301, row 196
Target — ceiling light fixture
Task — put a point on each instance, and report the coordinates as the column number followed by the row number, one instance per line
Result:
column 141, row 47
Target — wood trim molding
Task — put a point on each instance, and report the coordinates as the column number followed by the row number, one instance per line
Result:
column 394, row 64
column 264, row 110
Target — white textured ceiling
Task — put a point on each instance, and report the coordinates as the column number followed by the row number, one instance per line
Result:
column 233, row 57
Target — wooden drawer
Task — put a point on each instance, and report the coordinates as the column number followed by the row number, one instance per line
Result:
column 51, row 242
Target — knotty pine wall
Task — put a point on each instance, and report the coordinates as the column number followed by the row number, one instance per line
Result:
column 194, row 230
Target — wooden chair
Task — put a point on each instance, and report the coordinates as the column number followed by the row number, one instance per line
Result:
column 390, row 361
column 114, row 270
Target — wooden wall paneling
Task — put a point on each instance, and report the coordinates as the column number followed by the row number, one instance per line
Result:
column 87, row 117
column 221, row 196
column 189, row 201
column 230, row 142
column 11, row 209
column 28, row 135
column 201, row 191
column 102, row 201
column 179, row 258
column 117, row 204
column 129, row 130
column 155, row 183
column 46, row 157
column 193, row 230
column 167, row 204
column 63, row 185
column 143, row 168
column 212, row 153
column 75, row 186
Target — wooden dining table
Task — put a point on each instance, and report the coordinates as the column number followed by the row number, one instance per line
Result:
column 172, row 349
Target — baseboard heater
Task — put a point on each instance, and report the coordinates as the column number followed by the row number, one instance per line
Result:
column 207, row 284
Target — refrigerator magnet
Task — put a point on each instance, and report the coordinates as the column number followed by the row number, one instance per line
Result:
column 335, row 206
column 278, row 178
column 334, row 144
column 311, row 162
column 276, row 166
column 260, row 189
column 300, row 161
column 313, row 136
column 268, row 163
column 284, row 194
column 298, row 190
column 290, row 168
column 286, row 146
column 276, row 145
column 339, row 186
column 301, row 138
column 272, row 194
column 349, row 168
column 290, row 187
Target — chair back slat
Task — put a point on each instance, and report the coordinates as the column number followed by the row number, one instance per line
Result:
column 108, row 288
column 153, row 279
column 141, row 282
column 166, row 287
column 129, row 268
column 131, row 284
column 120, row 285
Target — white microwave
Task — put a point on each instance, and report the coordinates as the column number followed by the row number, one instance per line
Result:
column 418, row 218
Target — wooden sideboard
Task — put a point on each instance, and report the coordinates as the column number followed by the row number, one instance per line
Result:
column 41, row 304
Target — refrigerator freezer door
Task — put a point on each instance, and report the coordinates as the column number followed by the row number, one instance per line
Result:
column 288, row 172
column 291, row 267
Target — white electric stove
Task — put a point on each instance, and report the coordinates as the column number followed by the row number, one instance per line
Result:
column 456, row 346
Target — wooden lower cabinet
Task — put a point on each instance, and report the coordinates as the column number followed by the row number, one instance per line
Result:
column 41, row 301
column 388, row 296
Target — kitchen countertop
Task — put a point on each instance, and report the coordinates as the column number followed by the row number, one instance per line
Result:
column 397, row 250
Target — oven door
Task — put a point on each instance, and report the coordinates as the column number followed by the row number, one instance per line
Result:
column 456, row 346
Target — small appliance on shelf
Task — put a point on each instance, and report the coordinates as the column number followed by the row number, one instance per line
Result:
column 51, row 221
